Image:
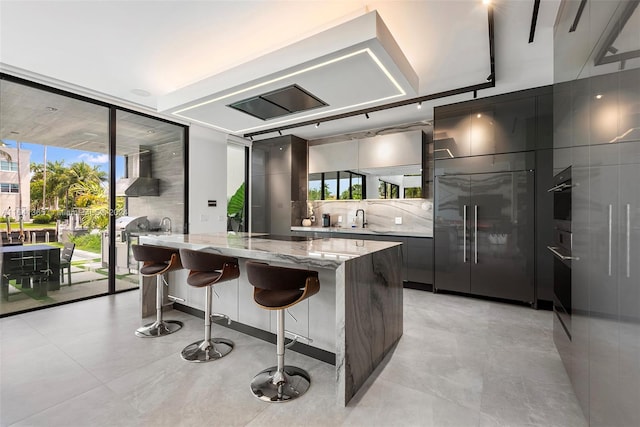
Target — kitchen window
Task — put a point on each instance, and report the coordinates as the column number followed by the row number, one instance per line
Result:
column 339, row 185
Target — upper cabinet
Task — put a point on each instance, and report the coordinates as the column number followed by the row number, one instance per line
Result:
column 500, row 124
column 399, row 161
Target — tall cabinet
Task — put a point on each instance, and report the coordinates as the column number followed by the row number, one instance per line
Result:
column 597, row 132
column 492, row 211
column 484, row 236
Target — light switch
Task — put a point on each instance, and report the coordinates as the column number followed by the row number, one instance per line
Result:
column 398, row 220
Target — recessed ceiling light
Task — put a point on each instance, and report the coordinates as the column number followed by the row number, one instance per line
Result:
column 13, row 132
column 140, row 92
column 151, row 131
column 479, row 115
column 52, row 109
column 598, row 96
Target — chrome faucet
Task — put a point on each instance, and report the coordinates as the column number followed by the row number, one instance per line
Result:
column 364, row 223
column 162, row 224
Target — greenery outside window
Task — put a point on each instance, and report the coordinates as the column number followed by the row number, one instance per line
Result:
column 387, row 190
column 339, row 185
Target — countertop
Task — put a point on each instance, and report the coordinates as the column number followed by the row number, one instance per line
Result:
column 369, row 231
column 325, row 253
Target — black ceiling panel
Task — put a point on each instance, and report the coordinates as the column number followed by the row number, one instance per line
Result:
column 280, row 102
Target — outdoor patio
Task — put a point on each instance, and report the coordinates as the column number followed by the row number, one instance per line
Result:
column 88, row 278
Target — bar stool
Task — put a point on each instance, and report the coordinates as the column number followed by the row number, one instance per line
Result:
column 207, row 269
column 156, row 261
column 277, row 288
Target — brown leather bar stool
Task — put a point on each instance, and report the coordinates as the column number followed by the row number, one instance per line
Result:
column 207, row 269
column 277, row 288
column 156, row 261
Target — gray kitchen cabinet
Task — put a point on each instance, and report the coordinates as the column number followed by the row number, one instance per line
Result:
column 484, row 242
column 419, row 260
column 504, row 127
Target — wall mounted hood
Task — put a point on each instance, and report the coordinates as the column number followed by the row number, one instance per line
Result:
column 141, row 183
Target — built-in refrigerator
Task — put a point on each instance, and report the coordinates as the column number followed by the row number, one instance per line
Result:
column 484, row 234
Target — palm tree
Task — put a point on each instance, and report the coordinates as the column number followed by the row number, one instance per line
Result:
column 3, row 154
column 57, row 182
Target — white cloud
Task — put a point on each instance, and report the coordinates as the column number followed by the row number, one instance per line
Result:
column 94, row 158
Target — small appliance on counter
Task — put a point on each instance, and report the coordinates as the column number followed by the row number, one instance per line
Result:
column 326, row 220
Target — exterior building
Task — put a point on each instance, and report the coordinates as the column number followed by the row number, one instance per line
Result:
column 15, row 192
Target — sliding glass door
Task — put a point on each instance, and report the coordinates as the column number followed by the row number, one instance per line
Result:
column 80, row 181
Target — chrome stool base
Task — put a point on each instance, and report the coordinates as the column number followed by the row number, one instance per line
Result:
column 206, row 351
column 159, row 328
column 296, row 383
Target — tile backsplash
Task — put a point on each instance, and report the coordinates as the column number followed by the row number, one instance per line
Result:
column 416, row 215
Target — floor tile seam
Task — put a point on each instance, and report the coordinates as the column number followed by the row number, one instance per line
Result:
column 433, row 392
column 52, row 406
column 101, row 385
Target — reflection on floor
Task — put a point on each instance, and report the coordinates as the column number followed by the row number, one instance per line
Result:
column 461, row 362
column 88, row 278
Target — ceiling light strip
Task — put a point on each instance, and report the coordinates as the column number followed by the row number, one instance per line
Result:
column 293, row 74
column 473, row 88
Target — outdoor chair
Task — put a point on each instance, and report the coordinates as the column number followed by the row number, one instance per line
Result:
column 65, row 260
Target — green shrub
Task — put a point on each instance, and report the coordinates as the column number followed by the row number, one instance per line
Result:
column 87, row 242
column 42, row 219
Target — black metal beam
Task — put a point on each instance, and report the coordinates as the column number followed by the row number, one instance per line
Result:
column 600, row 57
column 576, row 20
column 534, row 20
column 491, row 82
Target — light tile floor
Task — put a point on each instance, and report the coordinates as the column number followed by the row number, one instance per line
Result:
column 461, row 362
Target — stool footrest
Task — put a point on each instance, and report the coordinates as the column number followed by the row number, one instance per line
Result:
column 295, row 338
column 175, row 299
column 215, row 316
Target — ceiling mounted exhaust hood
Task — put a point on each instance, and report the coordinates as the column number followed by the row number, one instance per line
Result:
column 349, row 66
column 141, row 183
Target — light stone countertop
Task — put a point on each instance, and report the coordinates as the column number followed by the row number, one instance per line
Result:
column 325, row 253
column 367, row 231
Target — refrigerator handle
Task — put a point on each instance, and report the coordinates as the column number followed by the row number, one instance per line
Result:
column 464, row 233
column 475, row 232
column 628, row 240
column 610, row 236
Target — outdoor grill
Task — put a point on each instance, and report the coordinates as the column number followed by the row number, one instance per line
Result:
column 125, row 226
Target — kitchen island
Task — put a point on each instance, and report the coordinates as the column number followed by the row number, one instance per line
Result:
column 357, row 315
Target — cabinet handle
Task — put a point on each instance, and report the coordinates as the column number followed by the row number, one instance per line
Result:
column 610, row 235
column 554, row 250
column 475, row 233
column 628, row 240
column 464, row 234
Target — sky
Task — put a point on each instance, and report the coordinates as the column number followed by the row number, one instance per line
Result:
column 69, row 156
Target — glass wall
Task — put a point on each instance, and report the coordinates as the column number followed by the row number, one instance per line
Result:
column 60, row 171
column 236, row 188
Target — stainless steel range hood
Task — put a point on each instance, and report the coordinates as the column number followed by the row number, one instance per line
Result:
column 141, row 182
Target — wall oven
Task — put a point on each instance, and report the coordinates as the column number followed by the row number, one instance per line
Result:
column 561, row 249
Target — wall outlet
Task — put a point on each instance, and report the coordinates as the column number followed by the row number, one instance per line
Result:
column 398, row 220
column 339, row 218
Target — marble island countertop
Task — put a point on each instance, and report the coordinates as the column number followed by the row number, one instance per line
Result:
column 325, row 253
column 369, row 231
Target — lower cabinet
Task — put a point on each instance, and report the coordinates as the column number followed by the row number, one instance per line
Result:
column 417, row 252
